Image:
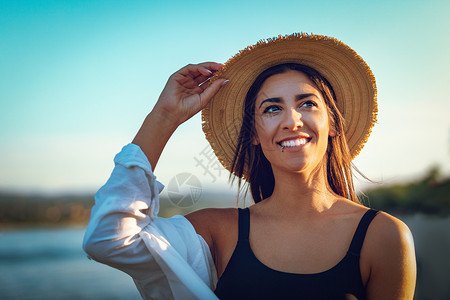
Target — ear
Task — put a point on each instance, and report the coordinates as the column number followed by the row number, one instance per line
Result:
column 255, row 141
column 332, row 131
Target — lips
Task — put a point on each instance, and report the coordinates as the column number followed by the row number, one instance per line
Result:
column 294, row 142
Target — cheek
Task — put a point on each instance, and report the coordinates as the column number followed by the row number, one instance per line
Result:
column 265, row 130
column 321, row 123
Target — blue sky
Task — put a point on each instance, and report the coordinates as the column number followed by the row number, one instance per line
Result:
column 77, row 78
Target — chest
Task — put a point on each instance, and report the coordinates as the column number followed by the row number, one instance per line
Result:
column 295, row 262
column 301, row 249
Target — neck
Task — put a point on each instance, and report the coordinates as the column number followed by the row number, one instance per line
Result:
column 303, row 193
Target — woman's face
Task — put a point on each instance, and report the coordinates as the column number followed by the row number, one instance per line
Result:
column 291, row 122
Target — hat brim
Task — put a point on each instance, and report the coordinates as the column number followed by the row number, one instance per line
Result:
column 350, row 77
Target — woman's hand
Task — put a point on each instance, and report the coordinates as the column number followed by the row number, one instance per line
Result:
column 187, row 91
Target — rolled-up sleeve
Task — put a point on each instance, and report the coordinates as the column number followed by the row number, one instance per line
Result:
column 165, row 257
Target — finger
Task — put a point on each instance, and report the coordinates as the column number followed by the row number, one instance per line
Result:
column 199, row 80
column 212, row 90
column 206, row 69
column 206, row 73
column 195, row 75
column 212, row 66
column 202, row 78
column 189, row 71
column 188, row 81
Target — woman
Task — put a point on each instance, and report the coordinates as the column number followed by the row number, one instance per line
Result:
column 302, row 107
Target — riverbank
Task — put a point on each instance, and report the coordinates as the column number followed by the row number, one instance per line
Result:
column 49, row 263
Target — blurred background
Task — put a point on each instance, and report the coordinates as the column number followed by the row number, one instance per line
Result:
column 77, row 78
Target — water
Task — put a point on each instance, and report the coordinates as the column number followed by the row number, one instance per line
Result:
column 50, row 264
column 432, row 243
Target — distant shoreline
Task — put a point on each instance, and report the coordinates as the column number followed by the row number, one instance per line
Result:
column 427, row 196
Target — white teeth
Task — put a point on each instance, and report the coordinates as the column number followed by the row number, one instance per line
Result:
column 293, row 143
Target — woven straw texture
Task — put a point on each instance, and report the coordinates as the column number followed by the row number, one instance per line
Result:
column 351, row 79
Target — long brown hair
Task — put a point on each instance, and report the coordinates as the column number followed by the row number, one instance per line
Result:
column 250, row 158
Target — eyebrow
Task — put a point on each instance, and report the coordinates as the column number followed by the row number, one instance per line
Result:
column 278, row 100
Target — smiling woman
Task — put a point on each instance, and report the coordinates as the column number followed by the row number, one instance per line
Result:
column 304, row 124
column 286, row 115
column 316, row 91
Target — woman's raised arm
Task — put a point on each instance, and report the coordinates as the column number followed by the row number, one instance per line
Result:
column 186, row 92
column 124, row 230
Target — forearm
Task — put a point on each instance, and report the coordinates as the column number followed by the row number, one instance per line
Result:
column 153, row 135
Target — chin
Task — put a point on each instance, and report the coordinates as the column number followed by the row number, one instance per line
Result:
column 298, row 167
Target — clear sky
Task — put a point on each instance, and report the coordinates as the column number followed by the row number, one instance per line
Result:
column 77, row 78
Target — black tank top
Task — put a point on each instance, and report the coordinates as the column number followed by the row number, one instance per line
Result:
column 245, row 277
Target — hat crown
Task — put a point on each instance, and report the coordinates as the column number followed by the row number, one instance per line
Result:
column 350, row 77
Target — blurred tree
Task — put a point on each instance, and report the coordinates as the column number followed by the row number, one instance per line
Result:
column 429, row 195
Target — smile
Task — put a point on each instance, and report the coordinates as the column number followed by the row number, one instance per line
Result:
column 294, row 143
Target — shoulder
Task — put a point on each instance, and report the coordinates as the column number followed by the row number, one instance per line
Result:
column 388, row 252
column 212, row 223
column 386, row 230
column 208, row 217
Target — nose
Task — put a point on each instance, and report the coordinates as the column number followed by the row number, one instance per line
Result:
column 292, row 120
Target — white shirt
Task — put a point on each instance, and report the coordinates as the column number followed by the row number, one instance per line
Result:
column 166, row 257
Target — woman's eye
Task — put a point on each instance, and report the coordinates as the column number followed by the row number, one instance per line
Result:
column 309, row 104
column 271, row 109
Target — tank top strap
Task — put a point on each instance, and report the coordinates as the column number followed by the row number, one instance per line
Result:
column 361, row 230
column 244, row 223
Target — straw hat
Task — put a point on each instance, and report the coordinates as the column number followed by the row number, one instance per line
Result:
column 350, row 77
